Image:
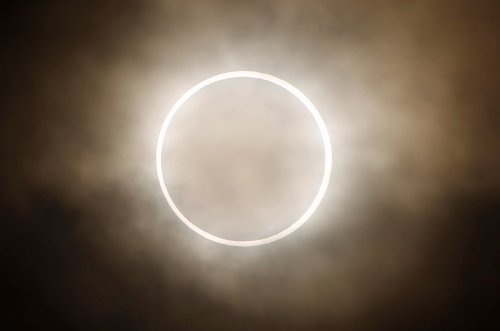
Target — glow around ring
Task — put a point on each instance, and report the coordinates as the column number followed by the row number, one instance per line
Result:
column 324, row 134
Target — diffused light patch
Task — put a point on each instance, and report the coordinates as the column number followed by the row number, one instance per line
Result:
column 324, row 134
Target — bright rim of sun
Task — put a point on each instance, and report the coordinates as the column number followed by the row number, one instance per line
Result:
column 324, row 134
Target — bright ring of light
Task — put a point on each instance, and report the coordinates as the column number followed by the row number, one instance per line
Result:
column 324, row 134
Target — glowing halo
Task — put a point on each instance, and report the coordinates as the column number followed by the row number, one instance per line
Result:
column 324, row 134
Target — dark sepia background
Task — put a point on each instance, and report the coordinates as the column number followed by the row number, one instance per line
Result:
column 406, row 238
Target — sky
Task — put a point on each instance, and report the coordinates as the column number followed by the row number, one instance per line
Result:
column 407, row 235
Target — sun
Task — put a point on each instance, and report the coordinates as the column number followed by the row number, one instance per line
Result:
column 326, row 145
